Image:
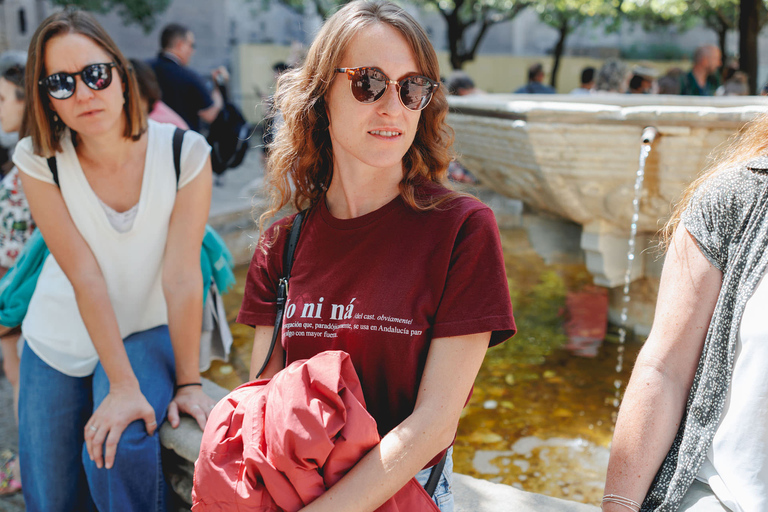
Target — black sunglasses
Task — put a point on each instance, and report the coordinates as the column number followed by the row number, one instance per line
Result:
column 62, row 85
column 368, row 85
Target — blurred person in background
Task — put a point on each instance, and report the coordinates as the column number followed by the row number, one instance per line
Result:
column 182, row 88
column 702, row 79
column 151, row 96
column 16, row 227
column 535, row 83
column 670, row 82
column 736, row 85
column 459, row 83
column 587, row 81
column 613, row 77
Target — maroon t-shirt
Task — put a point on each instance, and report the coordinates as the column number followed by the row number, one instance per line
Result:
column 380, row 287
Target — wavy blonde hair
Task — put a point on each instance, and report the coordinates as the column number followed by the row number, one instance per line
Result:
column 751, row 141
column 300, row 164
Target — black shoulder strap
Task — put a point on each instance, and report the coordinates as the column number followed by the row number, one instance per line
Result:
column 282, row 287
column 178, row 139
column 434, row 476
column 54, row 170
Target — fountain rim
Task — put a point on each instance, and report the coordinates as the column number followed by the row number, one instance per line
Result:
column 612, row 109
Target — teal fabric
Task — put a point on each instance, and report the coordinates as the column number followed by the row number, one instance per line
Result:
column 216, row 262
column 18, row 284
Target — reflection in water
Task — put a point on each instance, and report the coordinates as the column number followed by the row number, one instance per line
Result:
column 540, row 419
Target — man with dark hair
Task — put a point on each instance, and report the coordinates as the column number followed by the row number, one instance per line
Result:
column 183, row 89
column 535, row 83
column 587, row 81
column 702, row 79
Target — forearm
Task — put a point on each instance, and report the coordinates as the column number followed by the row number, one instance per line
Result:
column 648, row 421
column 401, row 454
column 100, row 321
column 261, row 340
column 184, row 299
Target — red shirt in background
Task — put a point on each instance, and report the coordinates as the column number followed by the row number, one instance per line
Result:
column 382, row 286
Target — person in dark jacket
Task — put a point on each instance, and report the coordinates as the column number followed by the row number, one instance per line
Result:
column 183, row 89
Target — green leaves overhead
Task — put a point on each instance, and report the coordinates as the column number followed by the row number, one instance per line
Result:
column 141, row 12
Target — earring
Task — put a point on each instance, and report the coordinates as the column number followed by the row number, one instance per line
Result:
column 55, row 117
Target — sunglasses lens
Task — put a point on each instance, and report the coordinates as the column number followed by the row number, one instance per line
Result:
column 416, row 92
column 98, row 76
column 60, row 86
column 368, row 85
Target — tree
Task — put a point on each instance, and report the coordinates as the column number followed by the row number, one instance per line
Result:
column 749, row 27
column 475, row 17
column 141, row 12
column 467, row 21
column 566, row 15
column 718, row 15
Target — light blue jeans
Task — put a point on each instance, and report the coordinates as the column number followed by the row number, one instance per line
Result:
column 443, row 496
column 53, row 410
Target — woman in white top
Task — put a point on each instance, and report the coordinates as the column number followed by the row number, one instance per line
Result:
column 113, row 327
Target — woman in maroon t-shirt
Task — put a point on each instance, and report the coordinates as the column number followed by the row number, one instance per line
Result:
column 391, row 267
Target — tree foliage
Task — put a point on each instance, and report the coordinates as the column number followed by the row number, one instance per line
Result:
column 141, row 12
column 566, row 15
column 468, row 22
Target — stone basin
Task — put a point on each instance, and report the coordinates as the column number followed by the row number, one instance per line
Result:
column 576, row 158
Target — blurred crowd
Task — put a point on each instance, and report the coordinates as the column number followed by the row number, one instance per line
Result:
column 709, row 75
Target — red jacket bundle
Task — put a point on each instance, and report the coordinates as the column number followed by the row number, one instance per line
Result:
column 276, row 445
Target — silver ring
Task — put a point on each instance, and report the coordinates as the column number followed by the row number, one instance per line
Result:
column 93, row 428
column 195, row 406
column 153, row 423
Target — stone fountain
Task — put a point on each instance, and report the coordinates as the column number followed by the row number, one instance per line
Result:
column 575, row 158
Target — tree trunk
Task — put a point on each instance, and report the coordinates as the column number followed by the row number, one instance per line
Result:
column 558, row 53
column 749, row 27
column 722, row 32
column 455, row 34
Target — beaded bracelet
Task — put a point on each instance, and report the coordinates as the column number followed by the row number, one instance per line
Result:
column 621, row 500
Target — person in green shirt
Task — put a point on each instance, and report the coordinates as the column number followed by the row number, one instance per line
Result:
column 702, row 79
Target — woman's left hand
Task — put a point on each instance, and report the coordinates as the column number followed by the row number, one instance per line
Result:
column 193, row 401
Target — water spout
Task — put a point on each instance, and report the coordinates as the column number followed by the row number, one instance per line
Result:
column 649, row 135
column 646, row 141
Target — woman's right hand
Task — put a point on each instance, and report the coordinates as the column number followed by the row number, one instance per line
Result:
column 121, row 407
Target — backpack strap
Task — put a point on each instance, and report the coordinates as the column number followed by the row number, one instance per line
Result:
column 178, row 139
column 282, row 287
column 54, row 170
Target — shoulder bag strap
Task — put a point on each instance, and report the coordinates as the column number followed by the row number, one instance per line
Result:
column 434, row 476
column 282, row 287
column 54, row 170
column 178, row 139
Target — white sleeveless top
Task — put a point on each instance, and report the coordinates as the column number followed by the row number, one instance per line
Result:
column 131, row 262
column 736, row 467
